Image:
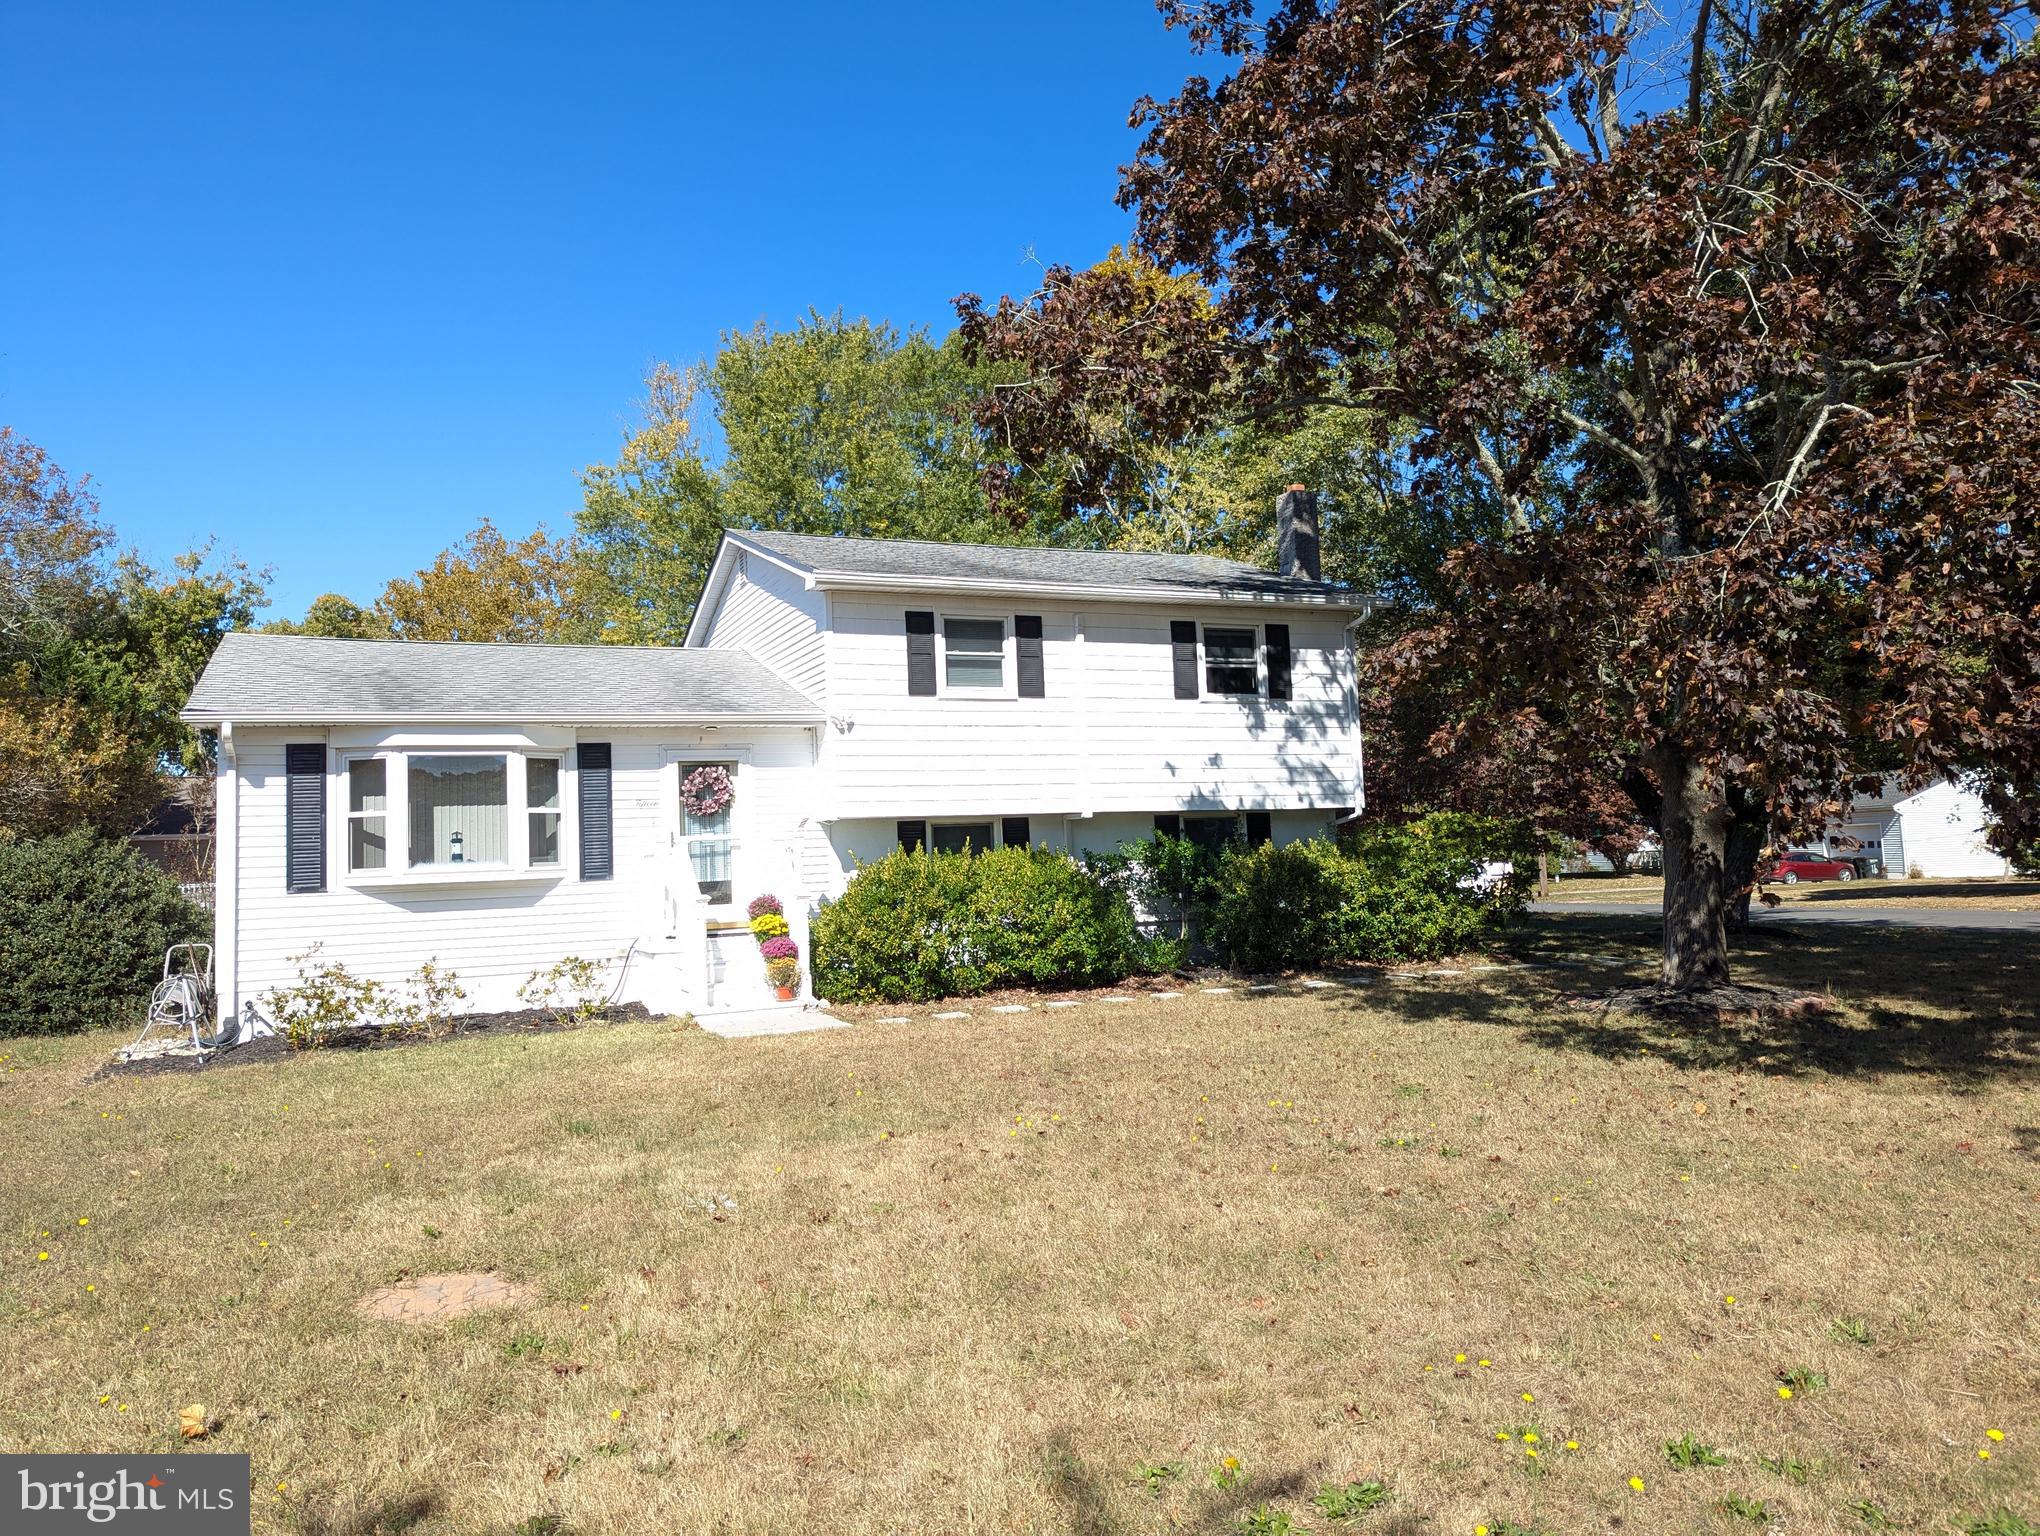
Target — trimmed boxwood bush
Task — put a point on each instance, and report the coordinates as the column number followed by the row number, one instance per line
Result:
column 916, row 926
column 83, row 925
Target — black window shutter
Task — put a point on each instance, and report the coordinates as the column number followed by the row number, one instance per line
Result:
column 304, row 816
column 920, row 653
column 1277, row 647
column 1168, row 826
column 1015, row 832
column 598, row 823
column 913, row 835
column 1183, row 641
column 1027, row 644
column 1260, row 828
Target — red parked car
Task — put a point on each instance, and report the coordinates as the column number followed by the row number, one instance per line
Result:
column 1797, row 866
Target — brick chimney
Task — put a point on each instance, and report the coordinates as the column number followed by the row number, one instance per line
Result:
column 1296, row 542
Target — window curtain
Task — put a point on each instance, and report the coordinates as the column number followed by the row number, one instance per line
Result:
column 464, row 796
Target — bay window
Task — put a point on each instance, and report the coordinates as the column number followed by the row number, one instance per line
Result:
column 455, row 812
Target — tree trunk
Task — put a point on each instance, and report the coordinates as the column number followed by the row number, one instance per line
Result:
column 1694, row 823
column 1746, row 832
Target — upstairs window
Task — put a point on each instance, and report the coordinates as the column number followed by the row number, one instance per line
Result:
column 1229, row 661
column 974, row 653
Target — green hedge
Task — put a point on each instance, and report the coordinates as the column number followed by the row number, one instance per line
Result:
column 917, row 926
column 83, row 926
column 1380, row 893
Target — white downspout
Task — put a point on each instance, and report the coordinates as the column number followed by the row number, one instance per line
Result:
column 1353, row 697
column 227, row 876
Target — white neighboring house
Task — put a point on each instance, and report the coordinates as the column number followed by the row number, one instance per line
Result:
column 1938, row 830
column 497, row 808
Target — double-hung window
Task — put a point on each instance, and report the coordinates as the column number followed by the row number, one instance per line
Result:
column 542, row 808
column 973, row 653
column 1230, row 661
column 368, row 802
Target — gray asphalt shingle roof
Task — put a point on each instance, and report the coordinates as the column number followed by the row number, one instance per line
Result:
column 946, row 564
column 309, row 678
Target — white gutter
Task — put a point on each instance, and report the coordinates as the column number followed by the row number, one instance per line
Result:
column 210, row 719
column 858, row 581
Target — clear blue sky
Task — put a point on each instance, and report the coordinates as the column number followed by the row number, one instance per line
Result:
column 333, row 283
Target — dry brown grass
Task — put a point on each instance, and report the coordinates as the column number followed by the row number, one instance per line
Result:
column 980, row 1271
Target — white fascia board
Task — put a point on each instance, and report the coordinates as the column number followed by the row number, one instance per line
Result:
column 244, row 718
column 862, row 582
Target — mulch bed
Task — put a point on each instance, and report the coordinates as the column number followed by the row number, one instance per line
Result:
column 519, row 1021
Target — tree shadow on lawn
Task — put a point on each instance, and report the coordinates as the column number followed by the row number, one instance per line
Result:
column 1087, row 1503
column 1948, row 1003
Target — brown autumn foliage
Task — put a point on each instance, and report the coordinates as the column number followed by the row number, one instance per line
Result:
column 1730, row 319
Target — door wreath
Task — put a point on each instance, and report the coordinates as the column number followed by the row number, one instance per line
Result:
column 707, row 792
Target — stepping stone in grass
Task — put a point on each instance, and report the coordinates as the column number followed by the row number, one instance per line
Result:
column 954, row 1013
column 1115, row 999
column 1064, row 1002
column 897, row 1018
column 440, row 1298
column 1165, row 994
column 1010, row 1008
column 1215, row 990
column 1316, row 985
column 1265, row 986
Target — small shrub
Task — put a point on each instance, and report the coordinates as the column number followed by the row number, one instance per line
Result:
column 1170, row 878
column 84, row 922
column 1038, row 919
column 1686, row 1453
column 1287, row 907
column 1354, row 1499
column 571, row 990
column 428, row 1004
column 326, row 1000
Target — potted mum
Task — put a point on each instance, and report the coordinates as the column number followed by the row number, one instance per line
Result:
column 780, row 953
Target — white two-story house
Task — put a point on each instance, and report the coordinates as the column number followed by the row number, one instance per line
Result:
column 497, row 808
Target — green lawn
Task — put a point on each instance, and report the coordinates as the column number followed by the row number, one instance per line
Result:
column 981, row 1273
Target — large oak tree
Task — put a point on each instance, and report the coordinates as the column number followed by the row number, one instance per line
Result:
column 1725, row 323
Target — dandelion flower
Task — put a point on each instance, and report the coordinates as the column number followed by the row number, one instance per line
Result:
column 1530, row 1451
column 1459, row 1359
column 103, row 1401
column 1636, row 1483
column 1503, row 1434
column 1487, row 1362
column 1572, row 1445
column 1994, row 1434
column 1531, row 1437
column 1983, row 1455
column 91, row 1290
column 1728, row 1301
column 1480, row 1530
column 1529, row 1397
column 84, row 1221
column 616, row 1413
column 43, row 1257
column 1785, row 1392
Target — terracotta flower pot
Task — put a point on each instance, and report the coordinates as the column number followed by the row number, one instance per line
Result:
column 785, row 994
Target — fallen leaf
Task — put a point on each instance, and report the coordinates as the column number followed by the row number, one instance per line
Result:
column 191, row 1421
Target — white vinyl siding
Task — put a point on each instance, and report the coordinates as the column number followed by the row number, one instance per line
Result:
column 1109, row 736
column 495, row 932
column 768, row 611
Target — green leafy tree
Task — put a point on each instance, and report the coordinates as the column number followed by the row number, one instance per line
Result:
column 488, row 587
column 335, row 618
column 835, row 426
